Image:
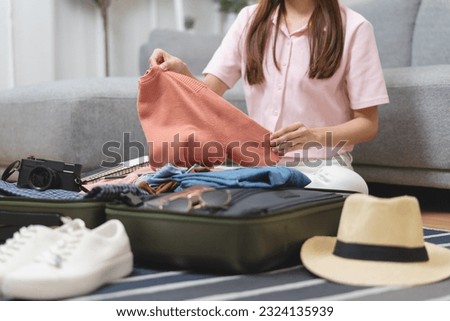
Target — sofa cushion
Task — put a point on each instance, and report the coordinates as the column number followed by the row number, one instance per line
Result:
column 431, row 42
column 393, row 22
column 193, row 48
column 71, row 121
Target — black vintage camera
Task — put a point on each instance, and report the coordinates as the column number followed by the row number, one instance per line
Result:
column 42, row 174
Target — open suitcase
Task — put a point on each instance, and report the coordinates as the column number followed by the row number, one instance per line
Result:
column 21, row 203
column 260, row 229
column 16, row 212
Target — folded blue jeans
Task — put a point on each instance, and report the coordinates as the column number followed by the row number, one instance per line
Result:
column 250, row 177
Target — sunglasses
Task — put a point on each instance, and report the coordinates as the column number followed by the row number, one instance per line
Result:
column 192, row 198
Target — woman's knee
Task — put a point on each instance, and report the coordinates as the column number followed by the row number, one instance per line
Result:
column 338, row 178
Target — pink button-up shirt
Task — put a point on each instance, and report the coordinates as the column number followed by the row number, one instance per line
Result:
column 288, row 95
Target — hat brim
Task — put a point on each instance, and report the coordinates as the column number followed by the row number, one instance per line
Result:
column 317, row 256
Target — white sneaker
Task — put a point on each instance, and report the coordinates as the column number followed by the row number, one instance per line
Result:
column 23, row 246
column 78, row 264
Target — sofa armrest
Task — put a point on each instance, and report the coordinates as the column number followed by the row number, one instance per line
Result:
column 86, row 121
column 414, row 126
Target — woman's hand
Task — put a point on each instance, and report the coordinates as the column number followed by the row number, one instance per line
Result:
column 361, row 128
column 293, row 137
column 166, row 61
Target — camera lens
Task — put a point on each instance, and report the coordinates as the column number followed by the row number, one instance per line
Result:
column 41, row 178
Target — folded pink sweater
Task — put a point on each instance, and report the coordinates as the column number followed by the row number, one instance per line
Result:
column 186, row 123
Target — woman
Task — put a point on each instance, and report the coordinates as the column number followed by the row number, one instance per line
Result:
column 312, row 76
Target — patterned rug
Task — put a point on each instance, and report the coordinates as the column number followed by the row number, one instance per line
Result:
column 288, row 284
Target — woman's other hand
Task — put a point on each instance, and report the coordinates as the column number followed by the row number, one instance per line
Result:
column 361, row 128
column 293, row 137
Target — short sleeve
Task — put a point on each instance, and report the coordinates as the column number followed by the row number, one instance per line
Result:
column 365, row 82
column 226, row 63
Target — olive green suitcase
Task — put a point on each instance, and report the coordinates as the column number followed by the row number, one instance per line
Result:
column 16, row 212
column 259, row 230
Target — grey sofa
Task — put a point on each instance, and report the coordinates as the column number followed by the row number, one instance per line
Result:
column 412, row 146
column 86, row 121
column 94, row 122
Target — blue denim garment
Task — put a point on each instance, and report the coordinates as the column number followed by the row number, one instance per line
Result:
column 257, row 177
column 248, row 177
column 162, row 175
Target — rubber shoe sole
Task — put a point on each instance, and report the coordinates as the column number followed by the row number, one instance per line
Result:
column 76, row 265
column 69, row 285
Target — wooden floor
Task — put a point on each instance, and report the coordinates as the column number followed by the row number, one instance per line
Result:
column 434, row 203
column 436, row 220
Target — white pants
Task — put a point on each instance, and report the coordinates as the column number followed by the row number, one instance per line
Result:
column 336, row 174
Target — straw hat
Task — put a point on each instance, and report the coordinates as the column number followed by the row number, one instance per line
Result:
column 379, row 242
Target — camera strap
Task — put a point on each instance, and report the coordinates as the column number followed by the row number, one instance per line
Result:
column 82, row 188
column 13, row 167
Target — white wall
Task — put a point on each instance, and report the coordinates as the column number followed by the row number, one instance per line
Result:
column 130, row 24
column 27, row 54
column 6, row 68
column 45, row 40
column 77, row 36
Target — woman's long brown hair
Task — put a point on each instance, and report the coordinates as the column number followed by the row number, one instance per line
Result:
column 326, row 39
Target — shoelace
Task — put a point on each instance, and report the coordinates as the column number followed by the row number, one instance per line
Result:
column 63, row 249
column 15, row 243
